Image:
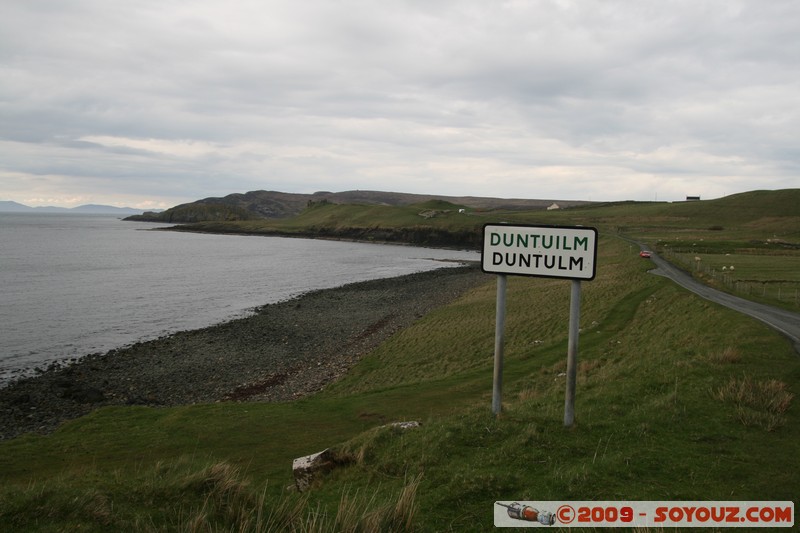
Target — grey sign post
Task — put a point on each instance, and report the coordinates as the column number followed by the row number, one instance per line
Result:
column 572, row 352
column 499, row 334
column 568, row 252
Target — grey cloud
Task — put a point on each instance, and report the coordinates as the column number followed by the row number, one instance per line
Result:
column 385, row 94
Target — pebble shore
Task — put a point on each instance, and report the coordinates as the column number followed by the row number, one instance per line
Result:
column 282, row 352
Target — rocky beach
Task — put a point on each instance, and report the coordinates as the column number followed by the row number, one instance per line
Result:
column 282, row 352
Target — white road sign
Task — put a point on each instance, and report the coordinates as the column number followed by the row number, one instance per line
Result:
column 547, row 251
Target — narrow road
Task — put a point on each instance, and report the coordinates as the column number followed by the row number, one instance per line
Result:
column 783, row 320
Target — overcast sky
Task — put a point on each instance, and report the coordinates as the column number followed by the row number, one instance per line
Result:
column 151, row 103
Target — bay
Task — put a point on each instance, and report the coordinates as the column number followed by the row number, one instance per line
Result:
column 72, row 284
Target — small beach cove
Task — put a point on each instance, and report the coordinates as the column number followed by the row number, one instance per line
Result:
column 284, row 351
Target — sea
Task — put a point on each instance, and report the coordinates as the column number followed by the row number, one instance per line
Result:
column 72, row 285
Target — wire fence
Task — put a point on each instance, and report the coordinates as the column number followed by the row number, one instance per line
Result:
column 777, row 290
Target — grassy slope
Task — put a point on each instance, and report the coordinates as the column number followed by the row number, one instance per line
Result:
column 345, row 216
column 741, row 217
column 651, row 421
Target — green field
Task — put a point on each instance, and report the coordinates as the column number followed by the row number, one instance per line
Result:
column 678, row 399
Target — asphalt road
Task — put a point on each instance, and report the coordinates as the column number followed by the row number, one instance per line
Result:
column 783, row 320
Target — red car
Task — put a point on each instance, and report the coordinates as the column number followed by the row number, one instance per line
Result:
column 645, row 253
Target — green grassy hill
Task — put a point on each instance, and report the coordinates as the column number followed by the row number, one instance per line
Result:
column 751, row 213
column 432, row 223
column 677, row 399
column 281, row 205
column 757, row 211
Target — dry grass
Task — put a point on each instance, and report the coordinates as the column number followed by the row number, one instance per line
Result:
column 727, row 356
column 758, row 403
column 230, row 505
column 534, row 391
column 359, row 513
column 586, row 368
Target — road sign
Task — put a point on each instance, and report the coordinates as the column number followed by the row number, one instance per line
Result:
column 568, row 252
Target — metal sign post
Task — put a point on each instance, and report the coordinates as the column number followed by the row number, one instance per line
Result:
column 572, row 352
column 499, row 336
column 568, row 252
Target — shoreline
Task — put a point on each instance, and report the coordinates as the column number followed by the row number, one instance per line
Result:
column 283, row 351
column 418, row 237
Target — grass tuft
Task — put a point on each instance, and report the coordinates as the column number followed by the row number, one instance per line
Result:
column 758, row 403
column 728, row 356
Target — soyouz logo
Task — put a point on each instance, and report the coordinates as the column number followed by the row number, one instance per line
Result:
column 748, row 514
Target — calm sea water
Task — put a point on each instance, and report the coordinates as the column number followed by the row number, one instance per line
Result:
column 71, row 285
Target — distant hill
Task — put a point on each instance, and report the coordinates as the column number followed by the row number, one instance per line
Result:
column 276, row 205
column 14, row 207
